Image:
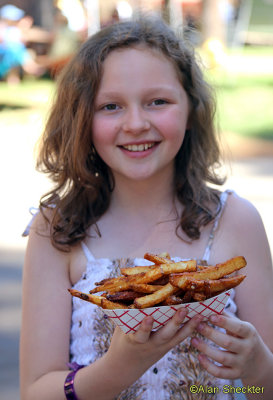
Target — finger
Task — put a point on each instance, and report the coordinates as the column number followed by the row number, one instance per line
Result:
column 184, row 330
column 233, row 325
column 188, row 328
column 222, row 339
column 143, row 333
column 225, row 358
column 226, row 314
column 168, row 331
column 216, row 370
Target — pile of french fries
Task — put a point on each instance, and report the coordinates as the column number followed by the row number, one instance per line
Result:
column 164, row 283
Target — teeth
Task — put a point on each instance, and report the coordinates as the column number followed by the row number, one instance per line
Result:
column 138, row 147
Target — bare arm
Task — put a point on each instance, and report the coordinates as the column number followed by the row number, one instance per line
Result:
column 254, row 299
column 248, row 341
column 45, row 334
column 46, row 310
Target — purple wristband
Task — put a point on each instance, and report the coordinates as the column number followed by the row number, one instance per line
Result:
column 69, row 390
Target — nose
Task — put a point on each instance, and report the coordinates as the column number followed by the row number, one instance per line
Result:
column 136, row 120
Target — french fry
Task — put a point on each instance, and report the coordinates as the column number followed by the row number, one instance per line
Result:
column 172, row 300
column 103, row 281
column 199, row 296
column 181, row 266
column 165, row 254
column 145, row 287
column 164, row 283
column 157, row 259
column 202, row 267
column 216, row 272
column 98, row 300
column 110, row 305
column 162, row 258
column 161, row 281
column 87, row 297
column 123, row 282
column 188, row 296
column 136, row 270
column 214, row 286
column 156, row 297
column 126, row 295
column 165, row 266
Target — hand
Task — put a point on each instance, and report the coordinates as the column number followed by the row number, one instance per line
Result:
column 169, row 335
column 134, row 353
column 242, row 348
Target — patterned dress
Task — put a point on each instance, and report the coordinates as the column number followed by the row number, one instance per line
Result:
column 171, row 377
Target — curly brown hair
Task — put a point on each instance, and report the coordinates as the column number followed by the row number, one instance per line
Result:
column 83, row 182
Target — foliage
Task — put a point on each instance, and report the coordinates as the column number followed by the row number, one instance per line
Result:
column 245, row 98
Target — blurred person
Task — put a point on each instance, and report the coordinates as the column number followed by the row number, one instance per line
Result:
column 131, row 147
column 63, row 44
column 15, row 58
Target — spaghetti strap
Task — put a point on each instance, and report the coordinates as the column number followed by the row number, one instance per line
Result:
column 223, row 199
column 33, row 211
column 87, row 252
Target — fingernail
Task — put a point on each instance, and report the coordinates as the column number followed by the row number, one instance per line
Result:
column 194, row 341
column 214, row 318
column 182, row 313
column 200, row 327
column 197, row 319
column 149, row 321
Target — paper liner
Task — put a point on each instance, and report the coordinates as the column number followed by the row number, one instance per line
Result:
column 129, row 319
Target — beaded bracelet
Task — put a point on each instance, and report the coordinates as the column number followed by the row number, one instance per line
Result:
column 69, row 390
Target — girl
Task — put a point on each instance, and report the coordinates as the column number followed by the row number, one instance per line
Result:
column 131, row 148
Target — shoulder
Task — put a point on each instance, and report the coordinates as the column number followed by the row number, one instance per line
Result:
column 244, row 225
column 40, row 252
column 40, row 222
column 241, row 214
column 241, row 231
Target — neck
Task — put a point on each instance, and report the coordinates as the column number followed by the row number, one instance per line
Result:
column 153, row 197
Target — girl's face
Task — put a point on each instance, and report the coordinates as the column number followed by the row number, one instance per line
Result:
column 141, row 113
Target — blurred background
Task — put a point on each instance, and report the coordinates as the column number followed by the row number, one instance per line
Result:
column 234, row 39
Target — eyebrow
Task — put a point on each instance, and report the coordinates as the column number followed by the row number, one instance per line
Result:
column 149, row 91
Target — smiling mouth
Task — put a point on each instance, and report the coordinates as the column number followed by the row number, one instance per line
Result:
column 138, row 147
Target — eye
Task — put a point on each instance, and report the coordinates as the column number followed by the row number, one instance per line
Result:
column 110, row 107
column 158, row 102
